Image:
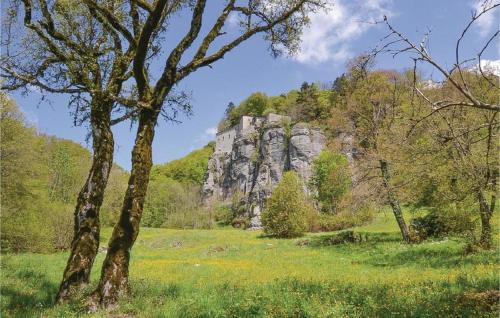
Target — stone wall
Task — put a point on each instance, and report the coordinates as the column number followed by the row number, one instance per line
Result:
column 224, row 140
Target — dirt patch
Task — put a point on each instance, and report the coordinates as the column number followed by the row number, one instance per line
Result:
column 487, row 300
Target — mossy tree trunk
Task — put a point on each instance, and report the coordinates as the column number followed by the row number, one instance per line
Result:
column 114, row 281
column 485, row 212
column 391, row 197
column 85, row 244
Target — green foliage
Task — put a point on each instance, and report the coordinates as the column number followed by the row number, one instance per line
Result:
column 173, row 204
column 450, row 220
column 234, row 213
column 331, row 179
column 40, row 180
column 312, row 104
column 173, row 199
column 68, row 164
column 309, row 104
column 113, row 196
column 255, row 105
column 190, row 169
column 345, row 219
column 288, row 212
column 238, row 209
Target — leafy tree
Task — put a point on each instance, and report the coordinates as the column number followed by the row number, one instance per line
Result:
column 311, row 104
column 68, row 48
column 18, row 152
column 190, row 169
column 173, row 197
column 254, row 105
column 39, row 173
column 18, row 155
column 331, row 179
column 68, row 165
column 372, row 105
column 466, row 115
column 284, row 103
column 113, row 198
column 280, row 23
column 172, row 204
column 287, row 212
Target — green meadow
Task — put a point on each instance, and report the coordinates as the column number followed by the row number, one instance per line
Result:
column 234, row 273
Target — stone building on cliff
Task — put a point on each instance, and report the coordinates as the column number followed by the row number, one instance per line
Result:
column 251, row 157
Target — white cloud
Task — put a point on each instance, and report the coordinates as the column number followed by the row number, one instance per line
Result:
column 330, row 33
column 489, row 66
column 487, row 21
column 211, row 132
column 203, row 138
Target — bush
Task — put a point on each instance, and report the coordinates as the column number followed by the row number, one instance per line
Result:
column 442, row 222
column 221, row 213
column 197, row 218
column 172, row 204
column 287, row 212
column 345, row 237
column 234, row 214
column 240, row 222
column 331, row 180
column 345, row 219
column 29, row 229
column 41, row 177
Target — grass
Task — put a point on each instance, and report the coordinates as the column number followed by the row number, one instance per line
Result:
column 234, row 273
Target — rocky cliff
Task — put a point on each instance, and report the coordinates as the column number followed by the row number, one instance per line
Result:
column 252, row 156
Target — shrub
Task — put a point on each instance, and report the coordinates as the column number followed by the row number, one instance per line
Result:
column 345, row 237
column 331, row 180
column 233, row 213
column 442, row 222
column 172, row 204
column 27, row 229
column 197, row 218
column 240, row 222
column 346, row 219
column 221, row 213
column 287, row 212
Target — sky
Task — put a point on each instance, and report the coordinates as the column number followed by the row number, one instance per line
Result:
column 330, row 41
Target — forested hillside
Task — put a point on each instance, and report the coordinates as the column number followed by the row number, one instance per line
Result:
column 173, row 199
column 41, row 176
column 405, row 150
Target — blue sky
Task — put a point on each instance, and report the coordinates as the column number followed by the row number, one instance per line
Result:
column 331, row 40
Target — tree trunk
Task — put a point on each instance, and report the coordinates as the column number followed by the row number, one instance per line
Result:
column 485, row 213
column 85, row 242
column 391, row 197
column 114, row 283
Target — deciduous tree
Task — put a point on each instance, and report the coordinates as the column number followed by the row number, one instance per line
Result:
column 462, row 110
column 280, row 21
column 71, row 48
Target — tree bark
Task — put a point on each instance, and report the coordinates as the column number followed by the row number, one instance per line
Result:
column 85, row 242
column 391, row 197
column 114, row 282
column 485, row 213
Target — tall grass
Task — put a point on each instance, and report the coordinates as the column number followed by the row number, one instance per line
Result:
column 234, row 273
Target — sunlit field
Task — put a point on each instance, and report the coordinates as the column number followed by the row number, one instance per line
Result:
column 234, row 273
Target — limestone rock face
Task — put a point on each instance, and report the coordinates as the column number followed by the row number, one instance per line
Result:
column 305, row 145
column 251, row 157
